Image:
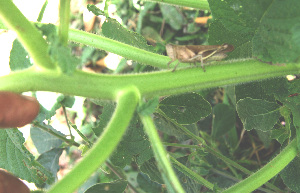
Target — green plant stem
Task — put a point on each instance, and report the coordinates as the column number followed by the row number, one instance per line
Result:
column 191, row 174
column 28, row 35
column 64, row 20
column 63, row 138
column 90, row 144
column 161, row 83
column 161, row 156
column 127, row 100
column 219, row 173
column 198, row 4
column 268, row 171
column 223, row 158
column 41, row 14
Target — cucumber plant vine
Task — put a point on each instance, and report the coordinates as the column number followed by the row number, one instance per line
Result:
column 243, row 25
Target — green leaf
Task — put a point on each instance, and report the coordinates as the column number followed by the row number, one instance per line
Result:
column 50, row 160
column 186, row 108
column 59, row 53
column 54, row 102
column 281, row 134
column 148, row 107
column 18, row 160
column 146, row 184
column 150, row 168
column 172, row 16
column 258, row 114
column 166, row 126
column 223, row 120
column 253, row 90
column 95, row 10
column 107, row 112
column 19, row 58
column 270, row 26
column 291, row 175
column 114, row 30
column 44, row 141
column 134, row 146
column 113, row 187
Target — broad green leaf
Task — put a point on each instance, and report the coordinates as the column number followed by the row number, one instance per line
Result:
column 113, row 187
column 270, row 26
column 189, row 185
column 186, row 108
column 114, row 30
column 43, row 140
column 253, row 90
column 134, row 146
column 19, row 58
column 18, row 160
column 146, row 184
column 95, row 10
column 258, row 114
column 107, row 112
column 172, row 16
column 50, row 160
column 148, row 107
column 150, row 168
column 276, row 86
column 291, row 175
column 223, row 120
column 166, row 126
column 281, row 134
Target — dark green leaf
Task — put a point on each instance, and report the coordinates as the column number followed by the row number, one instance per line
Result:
column 223, row 119
column 291, row 175
column 134, row 146
column 186, row 108
column 148, row 107
column 18, row 160
column 172, row 16
column 19, row 58
column 95, row 10
column 107, row 112
column 167, row 127
column 253, row 90
column 50, row 161
column 150, row 168
column 114, row 187
column 114, row 30
column 281, row 134
column 270, row 26
column 146, row 184
column 44, row 141
column 258, row 114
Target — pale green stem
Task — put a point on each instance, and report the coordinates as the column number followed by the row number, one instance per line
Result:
column 64, row 20
column 127, row 100
column 161, row 156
